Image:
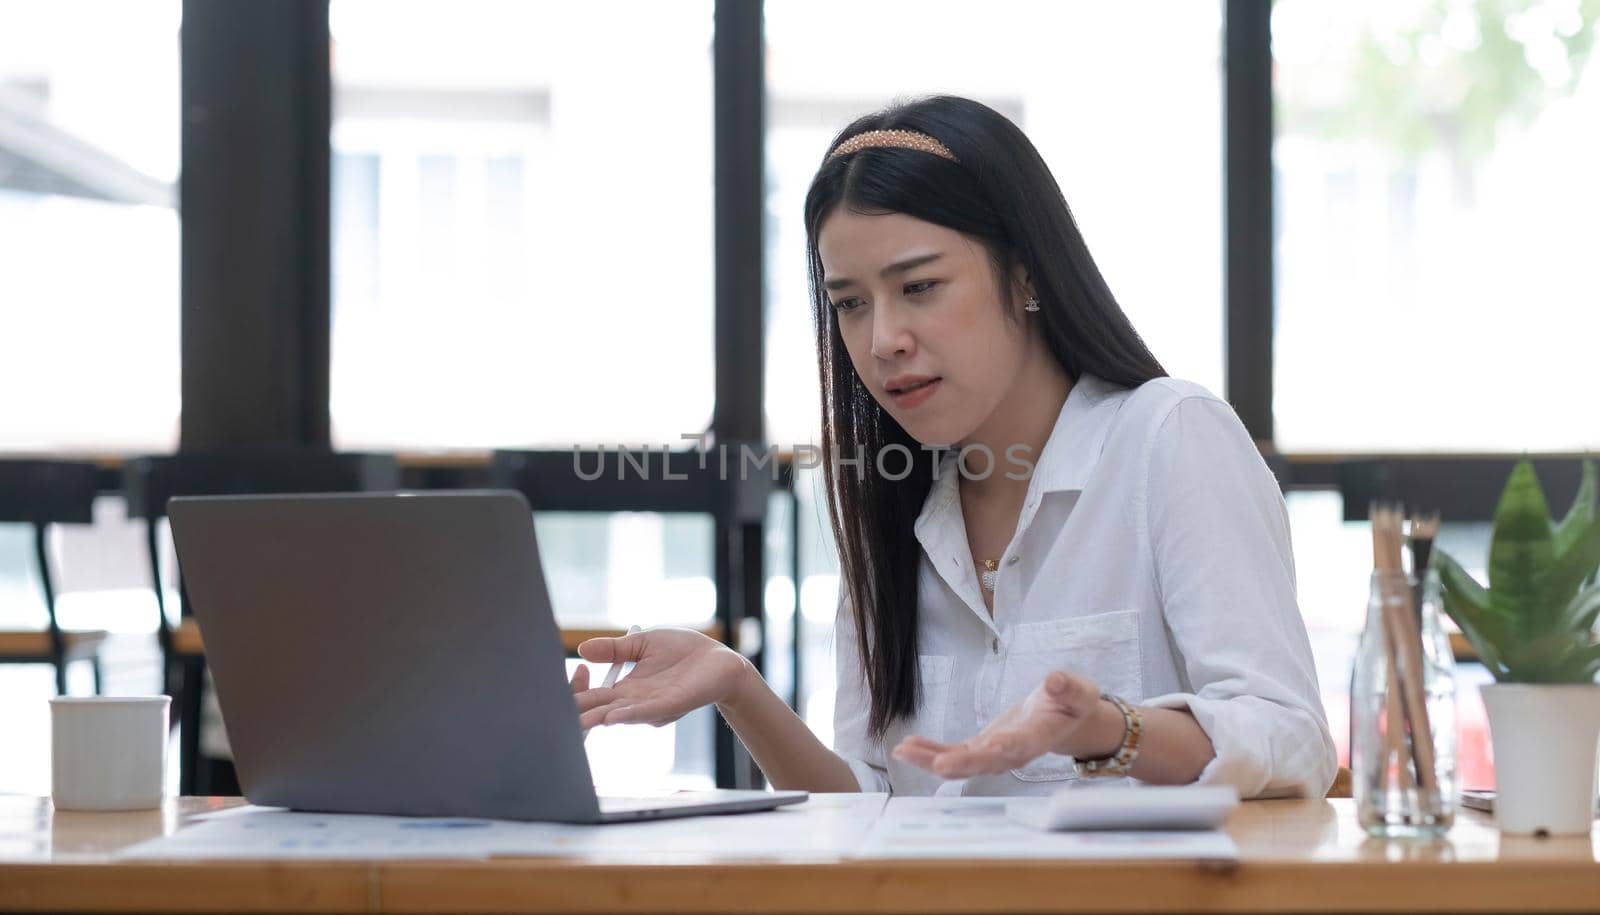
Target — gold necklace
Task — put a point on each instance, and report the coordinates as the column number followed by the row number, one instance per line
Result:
column 991, row 571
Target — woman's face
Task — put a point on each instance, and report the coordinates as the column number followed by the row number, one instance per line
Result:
column 918, row 307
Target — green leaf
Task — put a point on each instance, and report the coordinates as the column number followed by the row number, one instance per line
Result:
column 1580, row 515
column 1560, row 585
column 1580, row 665
column 1535, row 622
column 1582, row 611
column 1466, row 602
column 1488, row 651
column 1521, row 551
column 1553, row 657
column 1493, row 622
column 1454, row 577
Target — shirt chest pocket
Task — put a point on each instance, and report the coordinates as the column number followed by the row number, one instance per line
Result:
column 1103, row 647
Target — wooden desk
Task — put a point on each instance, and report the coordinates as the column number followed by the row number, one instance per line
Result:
column 1296, row 856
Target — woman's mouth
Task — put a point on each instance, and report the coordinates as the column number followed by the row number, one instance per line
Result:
column 909, row 393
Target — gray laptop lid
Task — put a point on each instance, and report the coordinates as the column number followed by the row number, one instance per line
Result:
column 383, row 653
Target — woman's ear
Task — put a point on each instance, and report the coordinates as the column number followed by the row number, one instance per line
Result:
column 1022, row 284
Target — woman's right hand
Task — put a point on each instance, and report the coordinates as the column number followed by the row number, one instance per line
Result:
column 675, row 672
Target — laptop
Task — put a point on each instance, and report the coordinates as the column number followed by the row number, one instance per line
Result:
column 396, row 653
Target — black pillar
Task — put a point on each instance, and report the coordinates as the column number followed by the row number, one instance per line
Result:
column 1249, row 240
column 740, row 138
column 255, row 225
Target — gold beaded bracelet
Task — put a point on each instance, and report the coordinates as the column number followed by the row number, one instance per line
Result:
column 1120, row 762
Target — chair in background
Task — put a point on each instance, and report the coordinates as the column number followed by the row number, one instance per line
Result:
column 150, row 482
column 1342, row 786
column 42, row 493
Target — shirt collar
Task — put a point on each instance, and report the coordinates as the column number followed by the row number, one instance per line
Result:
column 1073, row 448
column 1067, row 460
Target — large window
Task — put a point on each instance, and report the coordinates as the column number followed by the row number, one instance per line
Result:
column 89, row 334
column 522, row 257
column 522, row 213
column 1128, row 117
column 88, row 225
column 1435, row 192
column 1436, row 235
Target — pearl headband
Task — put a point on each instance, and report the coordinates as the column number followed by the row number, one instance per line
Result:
column 896, row 139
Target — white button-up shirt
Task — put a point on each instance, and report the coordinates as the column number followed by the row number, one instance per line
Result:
column 1152, row 554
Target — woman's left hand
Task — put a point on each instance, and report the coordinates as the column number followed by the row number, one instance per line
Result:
column 1061, row 715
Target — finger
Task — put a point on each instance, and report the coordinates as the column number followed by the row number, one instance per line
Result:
column 629, row 647
column 599, row 650
column 957, row 763
column 597, row 716
column 1076, row 694
column 921, row 757
column 594, row 698
column 963, row 763
column 917, row 740
column 580, row 679
column 645, row 711
column 986, row 753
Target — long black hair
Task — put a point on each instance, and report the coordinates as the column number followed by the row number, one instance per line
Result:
column 1002, row 195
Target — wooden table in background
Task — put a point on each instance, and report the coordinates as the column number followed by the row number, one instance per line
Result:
column 1295, row 856
column 186, row 638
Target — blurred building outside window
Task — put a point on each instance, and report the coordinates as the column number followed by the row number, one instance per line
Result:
column 1436, row 291
column 89, row 336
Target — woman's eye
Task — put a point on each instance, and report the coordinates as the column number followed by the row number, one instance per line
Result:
column 852, row 304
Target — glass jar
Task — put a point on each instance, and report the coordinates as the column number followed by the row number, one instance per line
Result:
column 1393, row 795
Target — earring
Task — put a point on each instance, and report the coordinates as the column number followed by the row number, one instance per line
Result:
column 1032, row 304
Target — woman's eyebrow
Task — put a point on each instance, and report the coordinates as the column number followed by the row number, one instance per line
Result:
column 910, row 263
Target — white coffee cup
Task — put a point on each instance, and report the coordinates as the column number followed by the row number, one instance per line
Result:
column 108, row 752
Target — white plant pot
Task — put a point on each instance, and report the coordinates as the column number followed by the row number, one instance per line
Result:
column 1545, row 739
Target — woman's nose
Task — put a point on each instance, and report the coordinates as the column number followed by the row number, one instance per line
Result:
column 891, row 335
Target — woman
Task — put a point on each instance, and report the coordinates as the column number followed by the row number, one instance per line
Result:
column 1058, row 564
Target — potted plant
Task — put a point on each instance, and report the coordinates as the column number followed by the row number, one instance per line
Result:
column 1533, row 627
